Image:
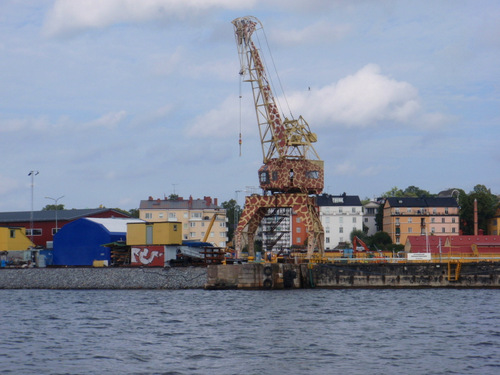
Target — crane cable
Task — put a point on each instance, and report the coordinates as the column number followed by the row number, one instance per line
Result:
column 275, row 72
column 239, row 141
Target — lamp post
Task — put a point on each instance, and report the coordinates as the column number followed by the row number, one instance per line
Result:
column 55, row 204
column 32, row 174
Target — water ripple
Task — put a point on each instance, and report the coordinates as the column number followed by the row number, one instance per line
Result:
column 253, row 332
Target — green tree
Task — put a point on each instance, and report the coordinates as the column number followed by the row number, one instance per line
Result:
column 134, row 212
column 487, row 204
column 416, row 192
column 381, row 240
column 360, row 234
column 233, row 213
column 52, row 207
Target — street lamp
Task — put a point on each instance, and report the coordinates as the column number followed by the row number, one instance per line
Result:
column 55, row 204
column 32, row 174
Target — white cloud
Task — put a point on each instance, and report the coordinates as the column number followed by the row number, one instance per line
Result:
column 109, row 120
column 365, row 98
column 318, row 32
column 7, row 184
column 72, row 16
column 223, row 122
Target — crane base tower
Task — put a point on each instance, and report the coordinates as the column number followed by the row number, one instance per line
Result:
column 256, row 207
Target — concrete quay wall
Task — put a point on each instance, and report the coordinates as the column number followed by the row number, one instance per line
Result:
column 103, row 278
column 354, row 275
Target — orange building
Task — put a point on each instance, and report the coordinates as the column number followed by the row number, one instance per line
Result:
column 405, row 217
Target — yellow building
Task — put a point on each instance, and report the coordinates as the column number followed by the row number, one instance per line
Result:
column 194, row 216
column 14, row 239
column 405, row 217
column 494, row 224
column 163, row 233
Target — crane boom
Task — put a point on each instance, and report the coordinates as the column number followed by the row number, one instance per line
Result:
column 292, row 169
column 291, row 164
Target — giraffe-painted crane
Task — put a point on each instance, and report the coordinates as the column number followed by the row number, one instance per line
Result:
column 292, row 169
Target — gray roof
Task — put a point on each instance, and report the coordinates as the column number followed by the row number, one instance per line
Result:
column 180, row 204
column 24, row 216
column 422, row 202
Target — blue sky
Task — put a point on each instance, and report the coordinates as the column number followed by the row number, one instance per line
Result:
column 113, row 101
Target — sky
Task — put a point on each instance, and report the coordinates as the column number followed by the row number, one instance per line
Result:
column 113, row 101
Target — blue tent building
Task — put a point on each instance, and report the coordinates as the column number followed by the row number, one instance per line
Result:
column 80, row 242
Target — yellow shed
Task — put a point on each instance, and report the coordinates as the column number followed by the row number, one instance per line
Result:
column 160, row 233
column 12, row 239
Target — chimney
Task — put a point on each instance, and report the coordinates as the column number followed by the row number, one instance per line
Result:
column 475, row 217
column 150, row 198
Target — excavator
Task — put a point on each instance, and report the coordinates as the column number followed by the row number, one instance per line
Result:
column 292, row 170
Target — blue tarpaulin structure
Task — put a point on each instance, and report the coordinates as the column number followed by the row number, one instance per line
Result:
column 80, row 242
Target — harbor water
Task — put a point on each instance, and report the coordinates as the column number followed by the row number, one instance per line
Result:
column 400, row 331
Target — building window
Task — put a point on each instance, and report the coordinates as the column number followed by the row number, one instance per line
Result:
column 185, row 225
column 397, row 210
column 434, row 210
column 433, row 220
column 341, row 220
column 452, row 219
column 299, row 240
column 185, row 236
column 340, row 210
column 452, row 230
column 433, row 230
column 171, row 215
column 212, row 234
column 408, row 210
column 185, row 215
column 327, row 229
column 327, row 239
column 410, row 230
column 442, row 219
column 36, row 232
column 297, row 229
column 196, row 215
column 410, row 220
column 148, row 215
column 327, row 219
column 366, row 220
column 353, row 219
column 160, row 215
column 192, row 234
column 446, row 210
column 442, row 230
column 341, row 230
column 354, row 210
column 12, row 233
column 175, row 227
column 297, row 220
column 192, row 225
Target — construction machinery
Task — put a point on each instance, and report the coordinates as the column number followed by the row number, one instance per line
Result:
column 292, row 170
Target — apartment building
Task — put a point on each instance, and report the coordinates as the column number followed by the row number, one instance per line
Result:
column 405, row 217
column 195, row 216
column 339, row 215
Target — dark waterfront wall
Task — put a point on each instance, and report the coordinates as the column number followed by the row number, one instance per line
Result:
column 355, row 275
column 103, row 278
column 259, row 276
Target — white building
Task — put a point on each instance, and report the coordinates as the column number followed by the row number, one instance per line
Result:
column 340, row 215
column 370, row 212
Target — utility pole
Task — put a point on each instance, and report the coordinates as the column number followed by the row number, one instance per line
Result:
column 32, row 174
column 55, row 203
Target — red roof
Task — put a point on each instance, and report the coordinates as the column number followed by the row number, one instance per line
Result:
column 452, row 244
